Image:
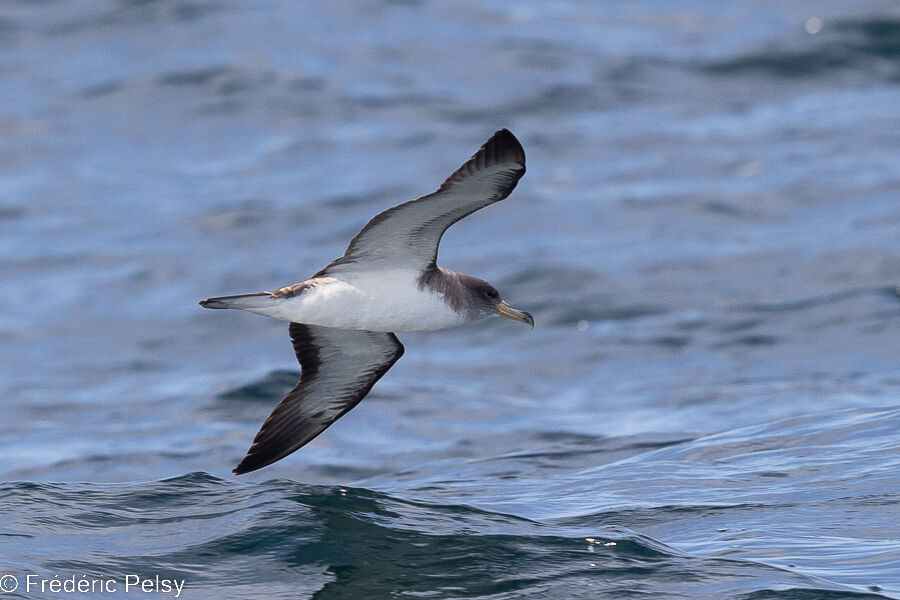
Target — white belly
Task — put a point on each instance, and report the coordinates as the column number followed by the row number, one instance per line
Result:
column 380, row 301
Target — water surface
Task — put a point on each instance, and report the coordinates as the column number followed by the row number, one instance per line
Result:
column 707, row 236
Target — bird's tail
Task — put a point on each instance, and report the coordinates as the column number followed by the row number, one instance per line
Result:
column 242, row 302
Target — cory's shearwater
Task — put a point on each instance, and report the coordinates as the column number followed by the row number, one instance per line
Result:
column 343, row 318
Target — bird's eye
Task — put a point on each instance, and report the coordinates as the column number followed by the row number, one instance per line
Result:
column 492, row 293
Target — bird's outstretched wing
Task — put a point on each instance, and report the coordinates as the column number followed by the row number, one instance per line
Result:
column 338, row 368
column 408, row 235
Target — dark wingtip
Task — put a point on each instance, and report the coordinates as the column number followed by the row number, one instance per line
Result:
column 258, row 456
column 504, row 147
column 501, row 148
column 249, row 463
column 505, row 136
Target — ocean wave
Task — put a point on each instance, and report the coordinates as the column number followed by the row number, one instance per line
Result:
column 335, row 541
column 578, row 531
column 867, row 45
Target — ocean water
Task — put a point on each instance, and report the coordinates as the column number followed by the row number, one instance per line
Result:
column 708, row 236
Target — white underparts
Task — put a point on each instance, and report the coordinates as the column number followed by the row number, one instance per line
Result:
column 373, row 301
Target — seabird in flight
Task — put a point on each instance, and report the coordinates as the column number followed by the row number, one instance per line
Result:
column 343, row 318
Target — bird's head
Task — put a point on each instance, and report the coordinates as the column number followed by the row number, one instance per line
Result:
column 486, row 301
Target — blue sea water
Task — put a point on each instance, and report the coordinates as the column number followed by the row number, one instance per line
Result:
column 708, row 236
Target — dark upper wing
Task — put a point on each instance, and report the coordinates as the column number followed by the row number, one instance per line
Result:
column 408, row 235
column 338, row 368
